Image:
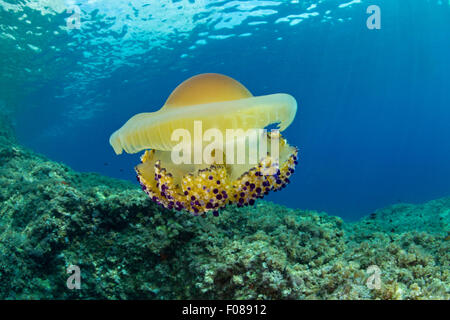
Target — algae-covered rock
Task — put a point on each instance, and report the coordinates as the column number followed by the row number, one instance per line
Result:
column 128, row 248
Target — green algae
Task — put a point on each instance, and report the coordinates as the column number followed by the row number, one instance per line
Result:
column 128, row 248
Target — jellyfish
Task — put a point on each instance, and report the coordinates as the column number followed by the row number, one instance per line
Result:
column 207, row 107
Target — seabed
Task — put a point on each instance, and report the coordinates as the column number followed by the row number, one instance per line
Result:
column 127, row 247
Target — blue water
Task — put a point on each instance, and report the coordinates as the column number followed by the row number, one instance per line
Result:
column 374, row 105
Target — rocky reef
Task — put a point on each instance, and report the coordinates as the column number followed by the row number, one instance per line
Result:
column 127, row 248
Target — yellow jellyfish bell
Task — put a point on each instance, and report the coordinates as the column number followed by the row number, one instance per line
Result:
column 219, row 103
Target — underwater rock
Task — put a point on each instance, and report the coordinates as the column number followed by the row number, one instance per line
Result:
column 6, row 129
column 128, row 248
